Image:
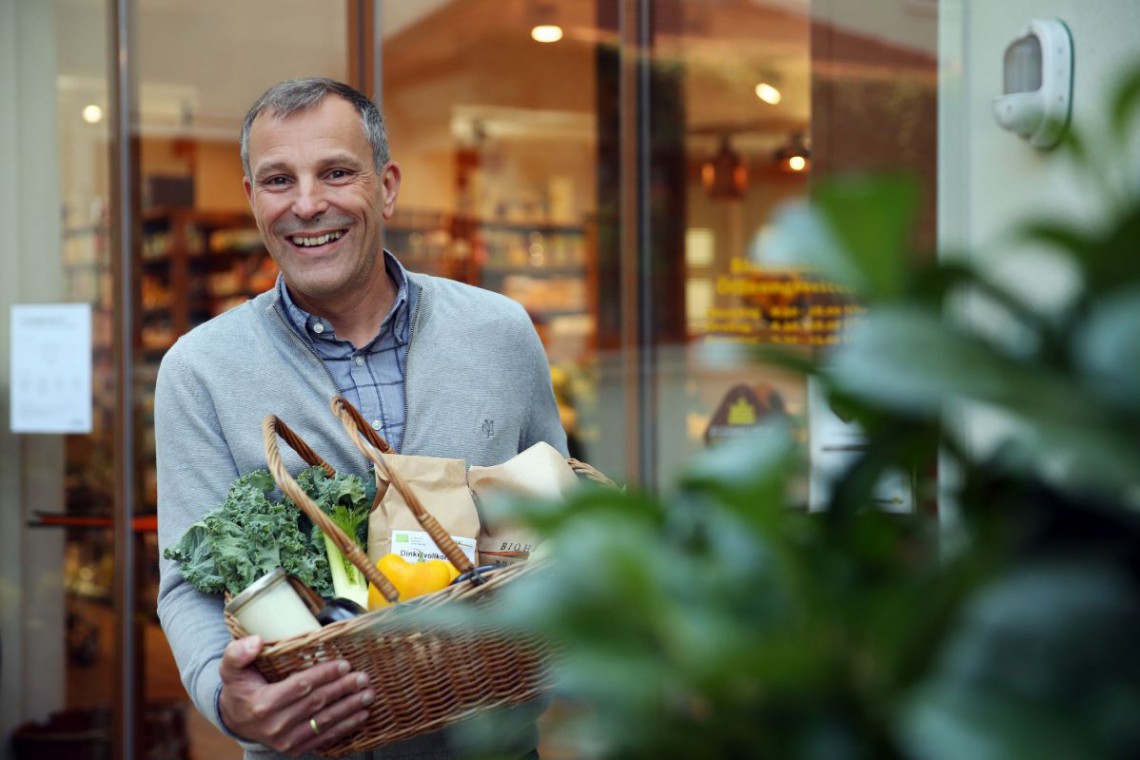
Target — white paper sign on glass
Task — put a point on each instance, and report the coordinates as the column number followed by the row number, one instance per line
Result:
column 51, row 368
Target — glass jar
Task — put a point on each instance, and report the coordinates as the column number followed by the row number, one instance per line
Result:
column 272, row 609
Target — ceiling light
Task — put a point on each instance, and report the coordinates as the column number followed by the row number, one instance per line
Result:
column 542, row 17
column 768, row 93
column 795, row 155
column 546, row 33
column 92, row 114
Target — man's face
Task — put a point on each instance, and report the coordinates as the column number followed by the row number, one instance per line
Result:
column 319, row 203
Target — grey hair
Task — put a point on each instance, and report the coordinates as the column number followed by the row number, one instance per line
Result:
column 286, row 98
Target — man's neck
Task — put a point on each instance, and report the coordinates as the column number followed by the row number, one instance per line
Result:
column 360, row 324
column 358, row 315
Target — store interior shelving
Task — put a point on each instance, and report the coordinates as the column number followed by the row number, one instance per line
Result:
column 194, row 265
column 548, row 268
column 543, row 267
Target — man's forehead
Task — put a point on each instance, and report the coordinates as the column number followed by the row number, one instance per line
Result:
column 272, row 148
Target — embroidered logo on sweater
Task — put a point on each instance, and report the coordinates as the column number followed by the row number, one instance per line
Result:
column 488, row 428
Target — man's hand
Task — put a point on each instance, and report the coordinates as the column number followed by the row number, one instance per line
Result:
column 294, row 716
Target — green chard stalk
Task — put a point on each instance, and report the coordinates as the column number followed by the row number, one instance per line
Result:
column 347, row 500
column 347, row 579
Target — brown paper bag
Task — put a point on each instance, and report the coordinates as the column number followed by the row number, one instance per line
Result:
column 539, row 472
column 441, row 486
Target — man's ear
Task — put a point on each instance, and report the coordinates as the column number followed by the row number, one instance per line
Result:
column 248, row 187
column 390, row 187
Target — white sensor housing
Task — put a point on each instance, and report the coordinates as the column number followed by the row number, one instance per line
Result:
column 1038, row 83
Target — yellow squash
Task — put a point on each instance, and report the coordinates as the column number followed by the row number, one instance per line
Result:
column 411, row 579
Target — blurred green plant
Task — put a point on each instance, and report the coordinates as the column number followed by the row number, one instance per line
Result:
column 714, row 621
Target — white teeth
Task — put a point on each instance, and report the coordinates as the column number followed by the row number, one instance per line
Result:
column 308, row 242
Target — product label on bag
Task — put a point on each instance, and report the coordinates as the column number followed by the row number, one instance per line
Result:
column 418, row 546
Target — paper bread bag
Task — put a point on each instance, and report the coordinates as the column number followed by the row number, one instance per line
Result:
column 539, row 472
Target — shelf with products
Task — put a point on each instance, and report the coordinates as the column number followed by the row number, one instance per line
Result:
column 490, row 252
column 89, row 565
column 194, row 265
column 551, row 270
column 146, row 482
column 513, row 245
column 85, row 256
column 431, row 242
column 548, row 267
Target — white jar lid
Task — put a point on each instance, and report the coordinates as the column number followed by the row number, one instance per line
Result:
column 256, row 589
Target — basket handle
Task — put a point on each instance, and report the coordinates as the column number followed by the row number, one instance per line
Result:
column 271, row 428
column 310, row 457
column 355, row 424
column 341, row 405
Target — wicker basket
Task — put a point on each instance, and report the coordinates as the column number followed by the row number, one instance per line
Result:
column 426, row 676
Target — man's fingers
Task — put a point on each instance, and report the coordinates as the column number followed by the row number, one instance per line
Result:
column 240, row 653
column 335, row 707
column 322, row 694
column 346, row 727
column 300, row 686
column 339, row 718
column 278, row 714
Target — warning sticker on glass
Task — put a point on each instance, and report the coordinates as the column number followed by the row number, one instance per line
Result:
column 418, row 546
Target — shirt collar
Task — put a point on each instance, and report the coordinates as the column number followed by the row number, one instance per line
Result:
column 313, row 327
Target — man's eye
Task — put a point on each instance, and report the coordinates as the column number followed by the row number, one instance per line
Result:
column 338, row 173
column 276, row 181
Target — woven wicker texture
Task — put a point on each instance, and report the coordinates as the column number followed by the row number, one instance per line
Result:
column 426, row 675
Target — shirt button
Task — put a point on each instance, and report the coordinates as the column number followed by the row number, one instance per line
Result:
column 318, row 328
column 376, row 424
column 359, row 360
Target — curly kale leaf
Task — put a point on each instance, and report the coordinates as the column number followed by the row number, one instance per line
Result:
column 344, row 497
column 194, row 553
column 247, row 537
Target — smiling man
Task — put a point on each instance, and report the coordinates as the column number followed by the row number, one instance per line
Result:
column 440, row 368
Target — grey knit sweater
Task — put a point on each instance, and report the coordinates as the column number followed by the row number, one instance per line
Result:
column 478, row 388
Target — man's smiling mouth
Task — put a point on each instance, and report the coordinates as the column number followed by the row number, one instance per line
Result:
column 305, row 241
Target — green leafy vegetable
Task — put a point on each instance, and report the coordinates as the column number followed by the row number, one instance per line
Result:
column 250, row 534
column 347, row 500
column 247, row 537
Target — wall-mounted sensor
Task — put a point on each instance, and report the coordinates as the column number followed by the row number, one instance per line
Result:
column 1038, row 92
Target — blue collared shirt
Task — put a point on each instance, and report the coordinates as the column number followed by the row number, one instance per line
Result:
column 370, row 377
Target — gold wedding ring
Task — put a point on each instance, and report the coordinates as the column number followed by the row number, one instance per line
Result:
column 313, row 725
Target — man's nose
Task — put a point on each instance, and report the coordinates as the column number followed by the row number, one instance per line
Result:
column 309, row 201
